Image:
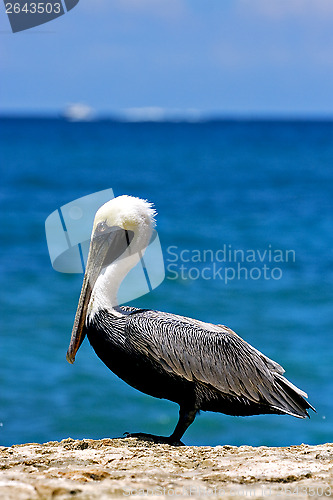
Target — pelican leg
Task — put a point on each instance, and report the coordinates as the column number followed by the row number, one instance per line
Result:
column 186, row 417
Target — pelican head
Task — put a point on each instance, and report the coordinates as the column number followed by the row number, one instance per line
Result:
column 121, row 232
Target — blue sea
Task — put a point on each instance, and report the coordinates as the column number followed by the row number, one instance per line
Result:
column 261, row 187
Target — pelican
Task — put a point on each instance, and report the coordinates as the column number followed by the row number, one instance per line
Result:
column 200, row 366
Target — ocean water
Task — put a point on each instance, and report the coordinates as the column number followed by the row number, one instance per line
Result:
column 220, row 186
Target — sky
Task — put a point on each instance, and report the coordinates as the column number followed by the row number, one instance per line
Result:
column 228, row 57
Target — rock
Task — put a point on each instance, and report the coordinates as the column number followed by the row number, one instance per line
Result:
column 118, row 468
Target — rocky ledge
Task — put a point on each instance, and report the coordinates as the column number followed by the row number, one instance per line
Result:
column 120, row 468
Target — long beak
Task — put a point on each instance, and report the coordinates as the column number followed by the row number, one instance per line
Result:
column 105, row 248
column 89, row 280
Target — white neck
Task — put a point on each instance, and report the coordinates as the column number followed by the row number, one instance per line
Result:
column 104, row 294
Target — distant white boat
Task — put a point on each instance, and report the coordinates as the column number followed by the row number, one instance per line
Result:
column 79, row 112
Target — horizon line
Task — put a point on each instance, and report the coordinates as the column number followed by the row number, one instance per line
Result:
column 168, row 117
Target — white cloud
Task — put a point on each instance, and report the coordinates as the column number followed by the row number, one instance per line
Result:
column 158, row 114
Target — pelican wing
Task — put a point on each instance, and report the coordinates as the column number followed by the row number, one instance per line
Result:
column 213, row 355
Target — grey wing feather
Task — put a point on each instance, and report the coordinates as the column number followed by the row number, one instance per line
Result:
column 211, row 354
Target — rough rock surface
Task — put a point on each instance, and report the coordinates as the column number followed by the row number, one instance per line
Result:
column 120, row 468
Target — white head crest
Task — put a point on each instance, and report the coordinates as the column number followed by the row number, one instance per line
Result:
column 126, row 212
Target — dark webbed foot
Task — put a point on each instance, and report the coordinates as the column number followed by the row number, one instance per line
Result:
column 186, row 417
column 155, row 439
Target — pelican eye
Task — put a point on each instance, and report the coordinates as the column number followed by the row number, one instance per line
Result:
column 101, row 227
